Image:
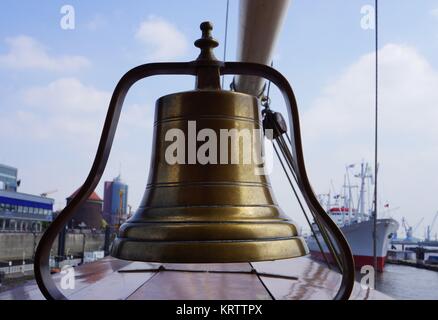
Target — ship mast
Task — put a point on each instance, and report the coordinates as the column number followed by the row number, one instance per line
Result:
column 260, row 22
column 364, row 168
column 362, row 191
column 348, row 199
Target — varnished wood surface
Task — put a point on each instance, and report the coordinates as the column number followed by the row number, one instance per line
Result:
column 113, row 279
column 314, row 281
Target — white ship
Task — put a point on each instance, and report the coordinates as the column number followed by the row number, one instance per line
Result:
column 356, row 222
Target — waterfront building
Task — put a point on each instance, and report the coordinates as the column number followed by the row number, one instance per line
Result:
column 8, row 178
column 115, row 202
column 21, row 212
column 89, row 214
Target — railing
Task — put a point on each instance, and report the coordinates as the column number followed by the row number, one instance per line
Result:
column 16, row 269
column 5, row 214
column 29, row 267
column 19, row 231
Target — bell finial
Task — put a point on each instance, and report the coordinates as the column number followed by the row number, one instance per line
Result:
column 206, row 43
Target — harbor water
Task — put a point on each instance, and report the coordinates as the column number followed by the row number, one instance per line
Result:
column 404, row 282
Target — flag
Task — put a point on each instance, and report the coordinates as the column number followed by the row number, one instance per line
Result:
column 386, row 205
column 350, row 166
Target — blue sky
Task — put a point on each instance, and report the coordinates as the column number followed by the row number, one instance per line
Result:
column 55, row 86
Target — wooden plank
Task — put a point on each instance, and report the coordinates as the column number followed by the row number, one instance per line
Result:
column 85, row 275
column 27, row 291
column 88, row 274
column 116, row 286
column 203, row 285
column 314, row 281
column 138, row 266
column 102, row 280
column 228, row 267
column 125, row 282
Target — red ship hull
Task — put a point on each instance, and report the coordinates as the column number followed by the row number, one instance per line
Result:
column 359, row 261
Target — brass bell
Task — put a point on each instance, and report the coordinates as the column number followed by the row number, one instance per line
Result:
column 212, row 211
column 204, row 201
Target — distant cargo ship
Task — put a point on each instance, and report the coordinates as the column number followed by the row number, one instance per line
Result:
column 356, row 223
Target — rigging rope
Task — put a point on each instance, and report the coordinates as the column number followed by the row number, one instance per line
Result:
column 287, row 156
column 376, row 126
column 302, row 207
column 225, row 38
column 289, row 160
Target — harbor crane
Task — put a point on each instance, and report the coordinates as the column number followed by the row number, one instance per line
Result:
column 409, row 230
column 430, row 227
column 45, row 194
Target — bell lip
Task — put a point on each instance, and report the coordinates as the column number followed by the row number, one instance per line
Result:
column 209, row 251
column 236, row 230
column 194, row 91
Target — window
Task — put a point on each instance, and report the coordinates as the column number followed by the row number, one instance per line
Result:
column 20, row 209
column 25, row 209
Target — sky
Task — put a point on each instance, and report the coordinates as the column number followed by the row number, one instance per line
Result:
column 55, row 86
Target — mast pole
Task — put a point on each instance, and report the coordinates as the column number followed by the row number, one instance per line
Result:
column 362, row 192
column 260, row 23
column 350, row 197
column 376, row 134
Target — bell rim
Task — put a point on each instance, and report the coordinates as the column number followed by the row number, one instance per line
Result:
column 209, row 251
column 208, row 230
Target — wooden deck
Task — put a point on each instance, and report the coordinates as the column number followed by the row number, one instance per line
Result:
column 113, row 279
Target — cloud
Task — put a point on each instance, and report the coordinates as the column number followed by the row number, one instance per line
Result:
column 68, row 110
column 27, row 53
column 407, row 94
column 162, row 39
column 53, row 131
column 338, row 128
column 137, row 116
column 65, row 111
column 67, row 95
column 97, row 22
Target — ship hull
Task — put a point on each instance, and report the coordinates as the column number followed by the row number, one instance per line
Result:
column 360, row 238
